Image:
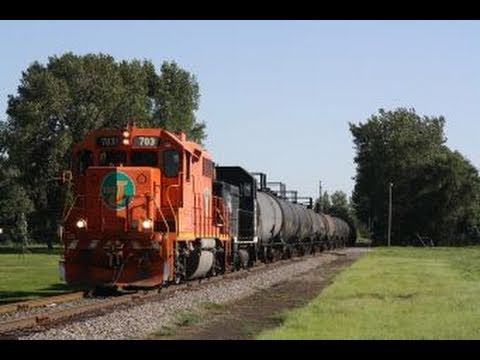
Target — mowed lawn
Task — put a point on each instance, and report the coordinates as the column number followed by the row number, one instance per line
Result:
column 395, row 293
column 29, row 276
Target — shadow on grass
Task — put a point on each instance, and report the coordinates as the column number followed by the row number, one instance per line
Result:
column 54, row 289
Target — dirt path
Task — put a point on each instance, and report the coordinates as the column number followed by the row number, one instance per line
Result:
column 247, row 317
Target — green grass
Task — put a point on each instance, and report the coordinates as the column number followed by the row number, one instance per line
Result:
column 31, row 249
column 164, row 331
column 214, row 308
column 29, row 276
column 188, row 318
column 396, row 293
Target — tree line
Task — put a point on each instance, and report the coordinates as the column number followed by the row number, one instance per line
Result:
column 57, row 104
column 435, row 190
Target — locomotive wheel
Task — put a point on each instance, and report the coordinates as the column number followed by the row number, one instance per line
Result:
column 308, row 249
column 244, row 258
column 89, row 293
column 180, row 269
column 270, row 256
column 178, row 278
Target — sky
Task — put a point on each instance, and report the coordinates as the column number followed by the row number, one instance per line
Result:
column 277, row 96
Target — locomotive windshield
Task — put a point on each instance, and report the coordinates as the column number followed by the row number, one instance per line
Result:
column 143, row 158
column 84, row 161
column 112, row 158
column 171, row 163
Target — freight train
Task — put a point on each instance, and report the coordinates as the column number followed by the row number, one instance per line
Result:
column 150, row 208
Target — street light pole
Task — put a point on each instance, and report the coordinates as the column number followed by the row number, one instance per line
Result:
column 390, row 212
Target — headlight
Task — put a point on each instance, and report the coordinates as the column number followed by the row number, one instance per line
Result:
column 81, row 224
column 147, row 224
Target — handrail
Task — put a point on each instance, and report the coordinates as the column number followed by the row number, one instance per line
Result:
column 194, row 204
column 71, row 207
column 102, row 218
column 161, row 213
column 171, row 206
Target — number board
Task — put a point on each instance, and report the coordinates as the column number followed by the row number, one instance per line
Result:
column 108, row 141
column 146, row 141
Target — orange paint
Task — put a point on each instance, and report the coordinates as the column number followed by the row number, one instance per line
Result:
column 158, row 176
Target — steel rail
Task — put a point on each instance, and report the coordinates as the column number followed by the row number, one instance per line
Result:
column 43, row 302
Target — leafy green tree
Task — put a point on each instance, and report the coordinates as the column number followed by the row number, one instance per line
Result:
column 15, row 205
column 408, row 150
column 58, row 103
column 176, row 100
column 339, row 200
column 324, row 203
column 340, row 206
column 445, row 198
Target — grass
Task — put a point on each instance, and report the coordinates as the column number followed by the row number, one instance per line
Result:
column 29, row 276
column 31, row 249
column 214, row 308
column 188, row 318
column 395, row 293
column 164, row 331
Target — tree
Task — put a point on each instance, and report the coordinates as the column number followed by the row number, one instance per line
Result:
column 15, row 205
column 340, row 206
column 339, row 200
column 324, row 203
column 428, row 195
column 177, row 99
column 58, row 103
column 445, row 198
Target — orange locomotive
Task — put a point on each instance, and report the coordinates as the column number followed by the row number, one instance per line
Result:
column 144, row 212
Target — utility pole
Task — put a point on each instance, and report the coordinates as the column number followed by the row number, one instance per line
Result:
column 389, row 212
column 320, row 195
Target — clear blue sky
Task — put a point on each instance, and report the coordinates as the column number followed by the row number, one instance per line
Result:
column 277, row 96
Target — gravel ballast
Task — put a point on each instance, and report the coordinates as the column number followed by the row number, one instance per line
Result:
column 139, row 321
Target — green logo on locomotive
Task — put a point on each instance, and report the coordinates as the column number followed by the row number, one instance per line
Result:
column 117, row 190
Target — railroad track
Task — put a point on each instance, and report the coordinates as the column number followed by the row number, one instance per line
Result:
column 37, row 303
column 41, row 321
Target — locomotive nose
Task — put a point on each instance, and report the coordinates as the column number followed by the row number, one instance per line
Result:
column 121, row 198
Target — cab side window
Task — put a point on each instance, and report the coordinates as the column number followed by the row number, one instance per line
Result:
column 85, row 160
column 171, row 163
column 188, row 159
